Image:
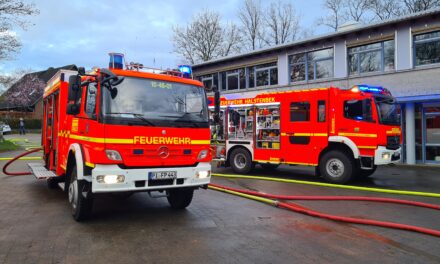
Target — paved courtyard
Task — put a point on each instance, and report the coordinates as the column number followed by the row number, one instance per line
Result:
column 36, row 225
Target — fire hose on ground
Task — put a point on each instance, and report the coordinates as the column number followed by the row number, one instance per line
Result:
column 278, row 200
column 16, row 158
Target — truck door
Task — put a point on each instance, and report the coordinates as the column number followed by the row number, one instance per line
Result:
column 51, row 132
column 304, row 127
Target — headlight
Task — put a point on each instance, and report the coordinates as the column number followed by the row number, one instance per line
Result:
column 110, row 179
column 113, row 154
column 203, row 174
column 203, row 154
column 386, row 155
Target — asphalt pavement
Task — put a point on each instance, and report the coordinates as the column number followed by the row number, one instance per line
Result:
column 36, row 225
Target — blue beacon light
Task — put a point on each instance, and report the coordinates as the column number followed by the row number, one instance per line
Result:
column 185, row 70
column 116, row 60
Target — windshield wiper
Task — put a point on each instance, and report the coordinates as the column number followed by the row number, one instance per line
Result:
column 138, row 116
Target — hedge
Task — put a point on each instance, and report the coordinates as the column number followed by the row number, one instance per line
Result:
column 28, row 123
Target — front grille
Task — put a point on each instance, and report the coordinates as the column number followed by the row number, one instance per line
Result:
column 393, row 142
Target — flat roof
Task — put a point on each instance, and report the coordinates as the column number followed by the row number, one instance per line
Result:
column 422, row 14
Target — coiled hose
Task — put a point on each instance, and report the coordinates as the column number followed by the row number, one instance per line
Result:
column 16, row 158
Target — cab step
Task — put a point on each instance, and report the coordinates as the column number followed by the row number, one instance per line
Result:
column 40, row 172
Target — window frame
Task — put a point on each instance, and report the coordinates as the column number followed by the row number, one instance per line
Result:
column 302, row 103
column 381, row 49
column 86, row 99
column 364, row 100
column 306, row 63
column 268, row 69
column 423, row 41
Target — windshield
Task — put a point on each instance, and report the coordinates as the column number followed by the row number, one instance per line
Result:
column 388, row 110
column 149, row 102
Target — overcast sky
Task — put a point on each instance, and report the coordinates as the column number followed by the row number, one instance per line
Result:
column 81, row 33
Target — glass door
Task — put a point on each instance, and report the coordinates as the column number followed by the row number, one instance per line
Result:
column 432, row 142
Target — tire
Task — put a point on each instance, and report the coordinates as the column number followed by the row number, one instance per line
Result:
column 269, row 166
column 241, row 161
column 81, row 207
column 180, row 198
column 367, row 173
column 337, row 167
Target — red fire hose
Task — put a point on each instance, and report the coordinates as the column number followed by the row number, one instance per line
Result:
column 307, row 211
column 16, row 158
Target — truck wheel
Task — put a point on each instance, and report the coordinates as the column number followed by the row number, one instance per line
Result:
column 81, row 206
column 337, row 167
column 241, row 161
column 180, row 198
column 269, row 166
column 367, row 173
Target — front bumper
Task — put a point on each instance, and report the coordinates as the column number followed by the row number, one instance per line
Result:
column 381, row 157
column 137, row 179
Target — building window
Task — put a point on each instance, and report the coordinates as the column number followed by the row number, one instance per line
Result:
column 311, row 65
column 299, row 111
column 263, row 75
column 375, row 57
column 209, row 80
column 233, row 80
column 427, row 48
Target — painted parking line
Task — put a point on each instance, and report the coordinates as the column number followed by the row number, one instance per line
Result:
column 23, row 158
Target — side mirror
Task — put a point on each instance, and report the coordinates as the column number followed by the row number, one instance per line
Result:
column 74, row 94
column 216, row 104
column 74, row 88
column 72, row 109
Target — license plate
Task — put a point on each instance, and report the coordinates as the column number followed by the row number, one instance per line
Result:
column 162, row 175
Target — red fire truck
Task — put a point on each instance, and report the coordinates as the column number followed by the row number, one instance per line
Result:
column 125, row 130
column 343, row 133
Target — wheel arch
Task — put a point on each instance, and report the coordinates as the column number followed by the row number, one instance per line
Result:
column 237, row 147
column 75, row 156
column 342, row 143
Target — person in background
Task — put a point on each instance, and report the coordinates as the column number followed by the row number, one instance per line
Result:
column 22, row 130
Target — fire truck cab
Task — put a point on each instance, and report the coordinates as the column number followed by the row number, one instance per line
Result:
column 125, row 130
column 343, row 133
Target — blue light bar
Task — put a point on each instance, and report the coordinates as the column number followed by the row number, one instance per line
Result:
column 185, row 69
column 369, row 88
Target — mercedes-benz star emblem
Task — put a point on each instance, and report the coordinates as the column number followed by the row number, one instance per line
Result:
column 163, row 152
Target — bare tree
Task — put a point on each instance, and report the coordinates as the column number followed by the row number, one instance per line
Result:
column 11, row 16
column 231, row 40
column 413, row 6
column 205, row 38
column 336, row 15
column 7, row 80
column 386, row 9
column 201, row 40
column 251, row 17
column 282, row 23
column 356, row 10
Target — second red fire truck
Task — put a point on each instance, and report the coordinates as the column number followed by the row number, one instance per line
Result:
column 343, row 133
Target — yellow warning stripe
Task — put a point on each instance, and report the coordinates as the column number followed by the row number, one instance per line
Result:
column 118, row 140
column 89, row 164
column 305, row 134
column 367, row 147
column 358, row 135
column 281, row 162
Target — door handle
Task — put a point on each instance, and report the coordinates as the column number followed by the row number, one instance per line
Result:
column 343, row 129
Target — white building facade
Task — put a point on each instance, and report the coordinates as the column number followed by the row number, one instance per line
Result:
column 402, row 55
